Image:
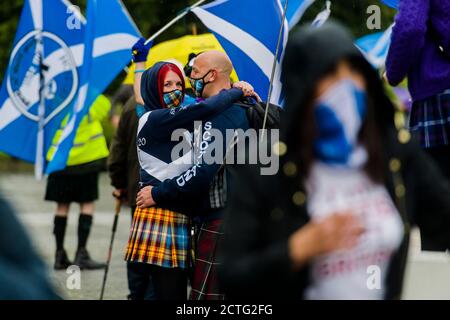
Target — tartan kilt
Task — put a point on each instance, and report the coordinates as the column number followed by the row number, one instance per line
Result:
column 159, row 237
column 205, row 285
column 429, row 121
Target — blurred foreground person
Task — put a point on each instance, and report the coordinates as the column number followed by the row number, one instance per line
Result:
column 78, row 182
column 420, row 50
column 23, row 275
column 334, row 223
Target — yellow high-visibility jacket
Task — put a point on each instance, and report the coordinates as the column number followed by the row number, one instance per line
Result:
column 90, row 143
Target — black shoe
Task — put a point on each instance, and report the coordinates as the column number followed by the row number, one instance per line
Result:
column 62, row 262
column 84, row 261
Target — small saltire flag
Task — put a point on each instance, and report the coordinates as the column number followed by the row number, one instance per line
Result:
column 295, row 10
column 248, row 31
column 110, row 33
column 46, row 55
column 376, row 46
column 391, row 3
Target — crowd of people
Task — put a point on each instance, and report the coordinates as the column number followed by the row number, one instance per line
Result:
column 348, row 190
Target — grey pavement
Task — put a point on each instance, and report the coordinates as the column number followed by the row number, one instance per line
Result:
column 26, row 194
column 427, row 274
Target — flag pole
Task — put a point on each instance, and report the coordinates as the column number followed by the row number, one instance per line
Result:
column 39, row 161
column 274, row 67
column 174, row 20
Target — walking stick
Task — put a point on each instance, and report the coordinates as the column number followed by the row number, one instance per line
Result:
column 114, row 228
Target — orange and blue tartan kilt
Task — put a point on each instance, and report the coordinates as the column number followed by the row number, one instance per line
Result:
column 159, row 237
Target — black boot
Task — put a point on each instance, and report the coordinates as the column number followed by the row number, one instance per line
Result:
column 84, row 261
column 62, row 262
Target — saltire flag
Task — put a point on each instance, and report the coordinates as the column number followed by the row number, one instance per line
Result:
column 391, row 3
column 248, row 31
column 46, row 50
column 110, row 33
column 376, row 46
column 295, row 10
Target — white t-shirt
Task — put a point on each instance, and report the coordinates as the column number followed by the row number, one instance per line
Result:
column 358, row 273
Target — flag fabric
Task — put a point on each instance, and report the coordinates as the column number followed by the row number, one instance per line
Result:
column 295, row 10
column 375, row 47
column 322, row 16
column 45, row 44
column 391, row 3
column 110, row 33
column 49, row 49
column 248, row 31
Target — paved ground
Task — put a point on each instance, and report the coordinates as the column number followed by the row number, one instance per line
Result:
column 27, row 196
column 427, row 275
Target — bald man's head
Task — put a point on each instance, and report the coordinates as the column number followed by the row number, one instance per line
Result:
column 216, row 60
column 212, row 69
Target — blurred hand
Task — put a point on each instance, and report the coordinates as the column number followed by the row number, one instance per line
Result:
column 339, row 231
column 140, row 50
column 120, row 194
column 144, row 198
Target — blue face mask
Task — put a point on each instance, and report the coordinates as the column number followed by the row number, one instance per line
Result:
column 173, row 98
column 339, row 115
column 199, row 84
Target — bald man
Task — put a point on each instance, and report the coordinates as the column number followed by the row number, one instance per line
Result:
column 211, row 73
column 201, row 191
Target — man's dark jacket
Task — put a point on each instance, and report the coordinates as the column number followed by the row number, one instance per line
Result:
column 123, row 165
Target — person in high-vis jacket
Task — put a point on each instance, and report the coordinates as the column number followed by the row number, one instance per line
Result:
column 78, row 182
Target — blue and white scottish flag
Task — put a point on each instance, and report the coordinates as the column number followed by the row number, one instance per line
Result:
column 375, row 47
column 110, row 33
column 248, row 31
column 49, row 49
column 48, row 43
column 295, row 10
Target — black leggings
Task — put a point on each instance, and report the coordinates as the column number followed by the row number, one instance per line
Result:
column 442, row 157
column 140, row 282
column 167, row 283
